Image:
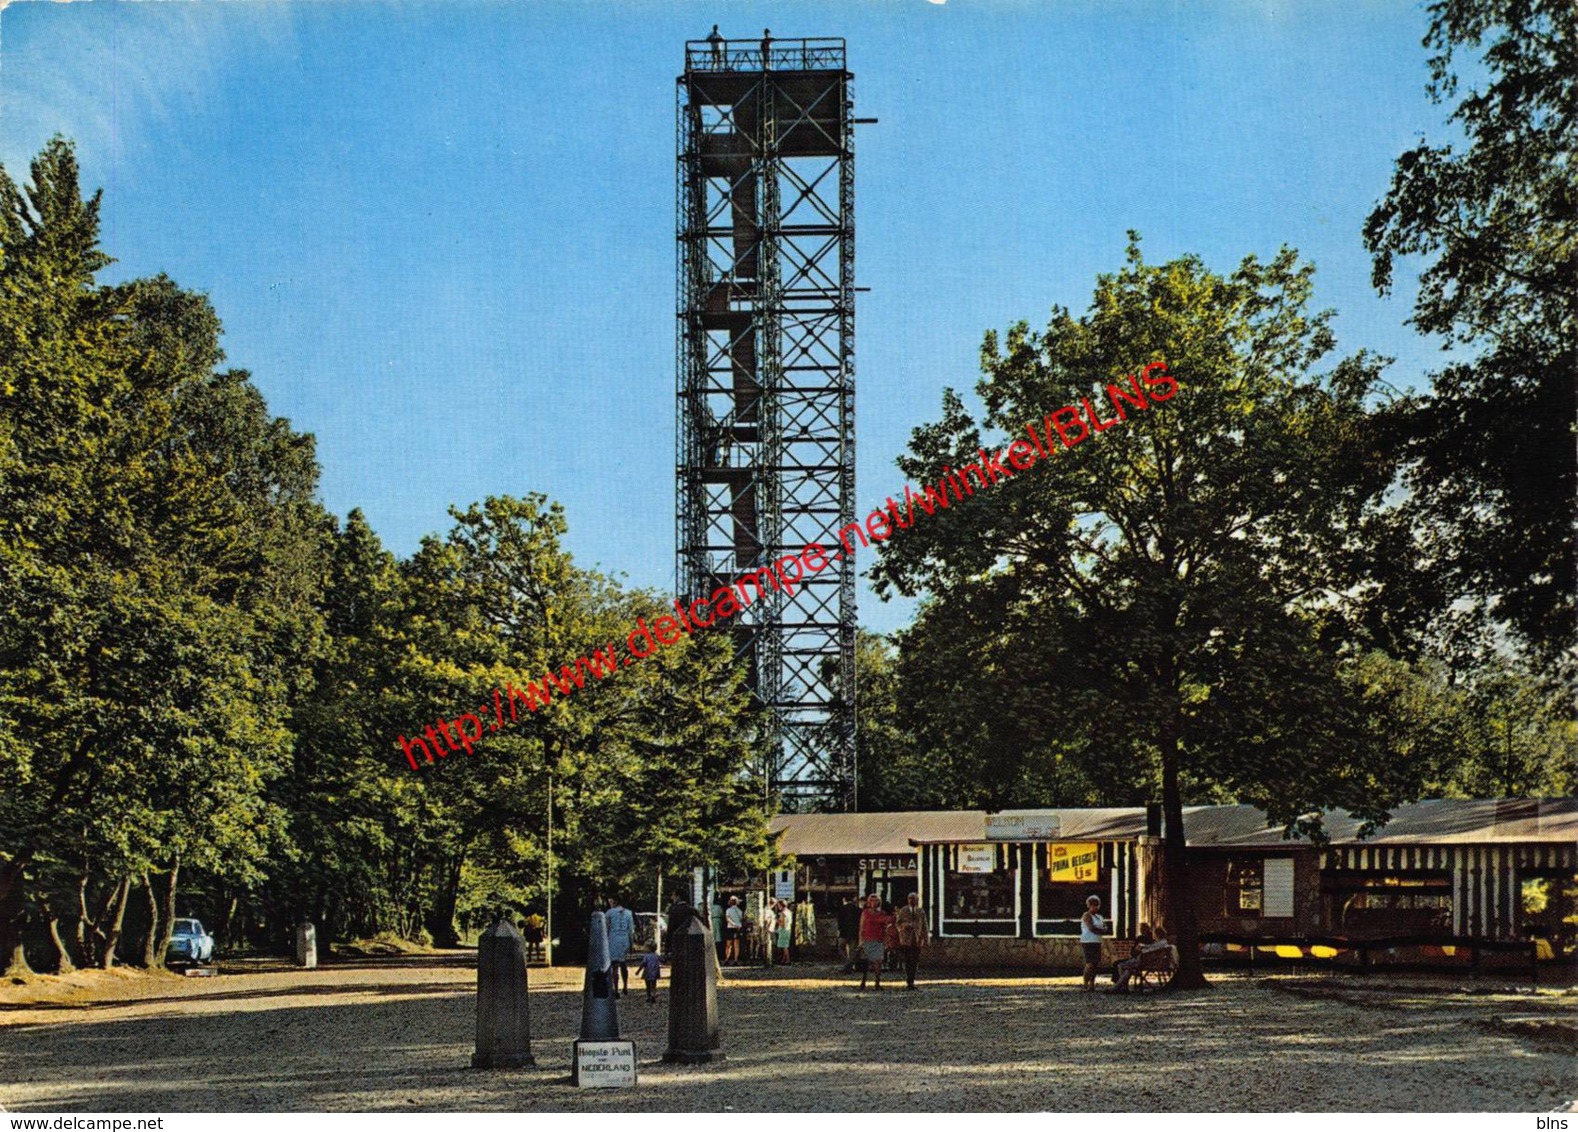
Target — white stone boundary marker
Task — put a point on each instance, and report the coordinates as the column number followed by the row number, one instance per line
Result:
column 306, row 945
column 503, row 1013
column 605, row 1065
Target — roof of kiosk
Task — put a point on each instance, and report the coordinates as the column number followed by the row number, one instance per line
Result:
column 1434, row 822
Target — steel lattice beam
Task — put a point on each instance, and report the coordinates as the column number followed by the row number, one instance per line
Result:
column 766, row 379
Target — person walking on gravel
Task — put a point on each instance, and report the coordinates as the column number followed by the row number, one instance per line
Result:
column 651, row 971
column 910, row 924
column 621, row 931
column 783, row 931
column 849, row 931
column 733, row 929
column 1090, row 928
column 874, row 924
column 716, row 924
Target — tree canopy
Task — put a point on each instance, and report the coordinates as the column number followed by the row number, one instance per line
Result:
column 1491, row 472
column 203, row 674
column 1171, row 594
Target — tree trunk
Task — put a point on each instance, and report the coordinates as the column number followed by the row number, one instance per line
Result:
column 151, row 937
column 117, row 921
column 90, row 932
column 167, row 909
column 441, row 918
column 13, row 917
column 227, row 925
column 63, row 963
column 18, row 967
column 1183, row 927
column 85, row 954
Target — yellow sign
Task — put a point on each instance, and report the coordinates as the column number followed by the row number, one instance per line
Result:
column 1073, row 861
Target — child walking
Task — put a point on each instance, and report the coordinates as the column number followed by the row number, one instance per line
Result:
column 651, row 970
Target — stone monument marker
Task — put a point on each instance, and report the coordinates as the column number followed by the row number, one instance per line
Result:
column 599, row 1007
column 306, row 945
column 503, row 1014
column 693, row 1032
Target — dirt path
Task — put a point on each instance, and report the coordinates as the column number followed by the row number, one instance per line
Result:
column 397, row 1035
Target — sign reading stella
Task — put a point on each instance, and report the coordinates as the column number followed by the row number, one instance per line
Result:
column 1073, row 861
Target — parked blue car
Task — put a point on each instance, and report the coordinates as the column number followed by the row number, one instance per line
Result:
column 190, row 944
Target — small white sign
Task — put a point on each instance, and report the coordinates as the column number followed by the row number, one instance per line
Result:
column 783, row 884
column 1023, row 827
column 977, row 858
column 605, row 1065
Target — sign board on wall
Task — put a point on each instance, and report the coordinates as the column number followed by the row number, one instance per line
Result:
column 872, row 864
column 1023, row 827
column 783, row 884
column 1074, row 861
column 1278, row 898
column 977, row 858
column 605, row 1065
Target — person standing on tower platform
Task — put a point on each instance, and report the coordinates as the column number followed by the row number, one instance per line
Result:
column 767, row 47
column 715, row 41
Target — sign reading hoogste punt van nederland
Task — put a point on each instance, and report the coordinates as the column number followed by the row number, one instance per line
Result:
column 605, row 1065
column 977, row 858
column 783, row 884
column 1073, row 861
column 1023, row 827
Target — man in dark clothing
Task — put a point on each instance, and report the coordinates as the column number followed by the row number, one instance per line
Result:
column 849, row 931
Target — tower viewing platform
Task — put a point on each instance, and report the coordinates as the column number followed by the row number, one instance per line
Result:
column 717, row 55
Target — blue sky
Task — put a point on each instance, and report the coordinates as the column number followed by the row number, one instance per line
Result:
column 440, row 235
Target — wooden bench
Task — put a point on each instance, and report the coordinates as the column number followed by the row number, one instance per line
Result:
column 1156, row 968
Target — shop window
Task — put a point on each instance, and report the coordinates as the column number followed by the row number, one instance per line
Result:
column 1260, row 887
column 1061, row 891
column 1549, row 910
column 1245, row 888
column 1067, row 901
column 1382, row 904
column 979, row 896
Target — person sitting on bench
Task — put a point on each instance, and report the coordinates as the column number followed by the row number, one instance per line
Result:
column 1141, row 938
column 1127, row 969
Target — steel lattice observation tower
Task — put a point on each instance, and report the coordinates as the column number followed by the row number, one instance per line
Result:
column 766, row 379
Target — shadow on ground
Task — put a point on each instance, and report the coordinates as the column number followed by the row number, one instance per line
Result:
column 398, row 1037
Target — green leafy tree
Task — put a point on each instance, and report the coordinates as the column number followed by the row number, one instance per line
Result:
column 356, row 844
column 1492, row 476
column 683, row 769
column 889, row 774
column 156, row 574
column 489, row 606
column 970, row 711
column 1186, row 566
column 1515, row 734
column 59, row 374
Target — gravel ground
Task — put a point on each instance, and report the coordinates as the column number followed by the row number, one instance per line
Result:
column 396, row 1035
